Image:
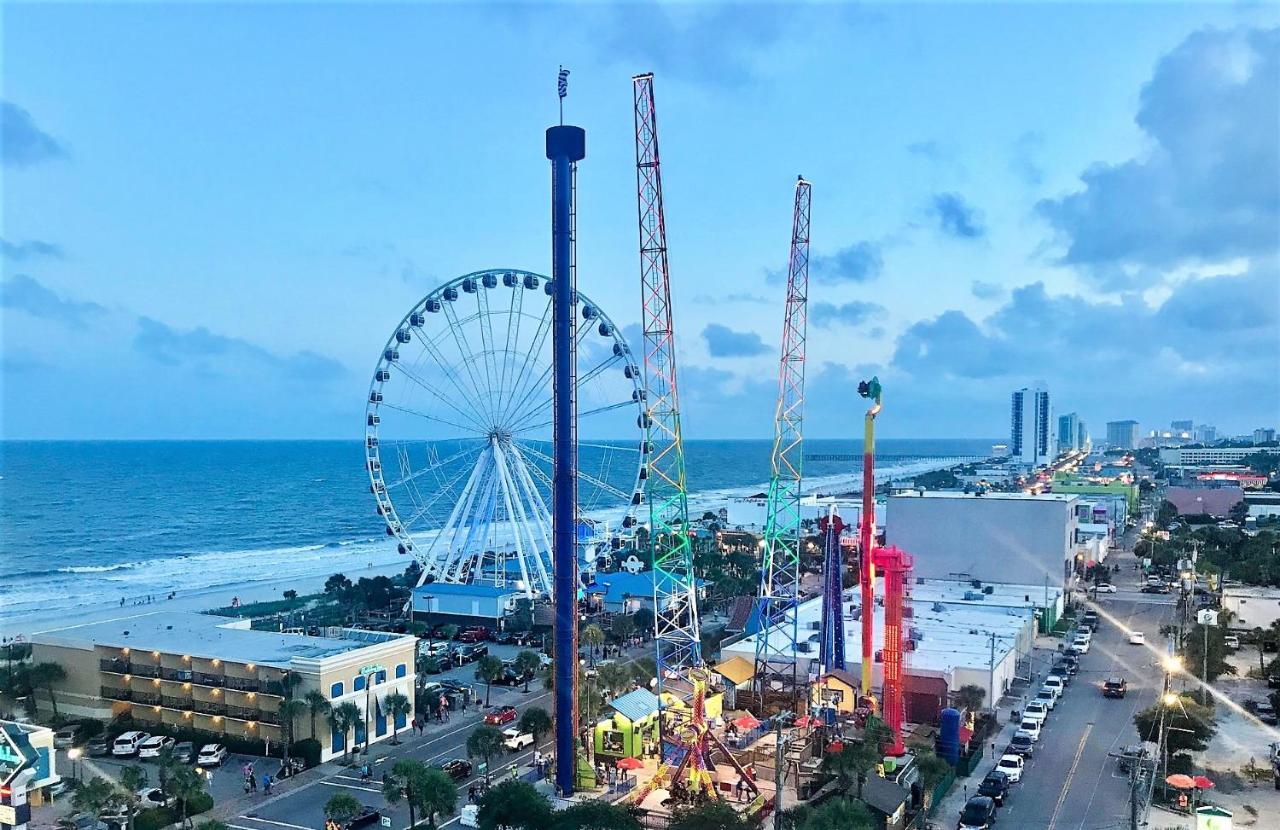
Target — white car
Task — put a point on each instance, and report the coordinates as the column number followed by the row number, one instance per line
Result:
column 151, row 747
column 153, row 797
column 1036, row 710
column 1031, row 726
column 128, row 742
column 1011, row 765
column 1231, row 641
column 515, row 739
column 1137, row 638
column 1105, row 588
column 470, row 816
column 1081, row 644
column 1046, row 697
column 1054, row 684
column 211, row 755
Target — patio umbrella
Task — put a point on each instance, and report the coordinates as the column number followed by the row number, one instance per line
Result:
column 806, row 720
column 746, row 722
column 630, row 763
column 835, row 746
column 1202, row 783
column 1181, row 782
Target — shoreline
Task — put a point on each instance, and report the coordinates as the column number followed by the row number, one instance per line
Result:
column 34, row 621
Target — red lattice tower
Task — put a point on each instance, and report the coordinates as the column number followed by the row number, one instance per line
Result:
column 896, row 567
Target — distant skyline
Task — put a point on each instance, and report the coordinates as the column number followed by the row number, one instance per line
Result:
column 214, row 215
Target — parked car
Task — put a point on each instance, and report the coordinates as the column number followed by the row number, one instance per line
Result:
column 127, row 743
column 367, row 816
column 994, row 786
column 1071, row 661
column 153, row 797
column 1061, row 670
column 435, row 649
column 1115, row 687
column 511, row 676
column 1055, row 685
column 1266, row 713
column 1231, row 641
column 1022, row 744
column 978, row 814
column 457, row 768
column 1273, row 681
column 1031, row 726
column 499, row 715
column 471, row 653
column 432, row 665
column 1045, row 698
column 212, row 755
column 98, row 747
column 68, row 736
column 1137, row 638
column 1011, row 765
column 504, row 638
column 1105, row 588
column 1072, row 652
column 153, row 746
column 1155, row 589
column 1036, row 710
column 474, row 634
column 516, row 740
column 184, row 752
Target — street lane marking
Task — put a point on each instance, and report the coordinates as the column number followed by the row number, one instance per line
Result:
column 1071, row 773
column 280, row 823
column 345, row 787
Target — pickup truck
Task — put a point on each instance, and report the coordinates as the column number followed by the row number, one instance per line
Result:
column 516, row 740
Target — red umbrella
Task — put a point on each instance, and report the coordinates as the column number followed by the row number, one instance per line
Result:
column 630, row 763
column 746, row 722
column 1202, row 783
column 835, row 746
column 806, row 720
column 1180, row 781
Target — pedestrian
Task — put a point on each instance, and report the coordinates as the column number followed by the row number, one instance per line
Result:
column 471, row 794
column 122, row 602
column 253, row 782
column 266, row 784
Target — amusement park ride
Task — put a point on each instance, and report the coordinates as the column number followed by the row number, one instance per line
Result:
column 476, row 476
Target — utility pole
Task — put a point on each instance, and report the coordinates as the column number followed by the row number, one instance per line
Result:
column 778, row 761
column 991, row 671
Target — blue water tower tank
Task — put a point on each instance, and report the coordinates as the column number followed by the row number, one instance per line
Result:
column 949, row 736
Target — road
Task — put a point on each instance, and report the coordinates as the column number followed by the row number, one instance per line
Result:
column 1071, row 783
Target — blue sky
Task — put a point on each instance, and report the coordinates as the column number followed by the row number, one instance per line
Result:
column 215, row 215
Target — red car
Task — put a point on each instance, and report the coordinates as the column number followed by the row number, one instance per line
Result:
column 473, row 635
column 500, row 715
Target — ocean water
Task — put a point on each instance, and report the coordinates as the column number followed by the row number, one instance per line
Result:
column 85, row 523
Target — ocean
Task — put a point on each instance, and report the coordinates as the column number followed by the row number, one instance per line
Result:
column 90, row 523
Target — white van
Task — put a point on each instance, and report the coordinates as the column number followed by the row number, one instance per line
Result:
column 128, row 742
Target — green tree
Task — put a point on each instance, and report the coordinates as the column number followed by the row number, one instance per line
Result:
column 597, row 815
column 624, row 627
column 643, row 670
column 711, row 815
column 185, row 784
column 615, row 677
column 398, row 706
column 514, row 804
column 932, row 768
column 317, row 705
column 644, row 621
column 343, row 719
column 969, row 697
column 840, row 814
column 488, row 669
column 436, row 794
column 290, row 710
column 485, row 742
column 46, row 676
column 336, row 586
column 166, row 763
column 1187, row 726
column 1195, row 654
column 593, row 637
column 536, row 721
column 527, row 663
column 342, row 808
column 427, row 790
column 852, row 763
column 291, row 594
column 94, row 796
column 132, row 779
column 1166, row 513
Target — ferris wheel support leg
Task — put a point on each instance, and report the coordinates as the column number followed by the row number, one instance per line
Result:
column 447, row 558
column 524, row 482
column 515, row 512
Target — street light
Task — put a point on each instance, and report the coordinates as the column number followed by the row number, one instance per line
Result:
column 73, row 755
column 1170, row 699
column 1172, row 664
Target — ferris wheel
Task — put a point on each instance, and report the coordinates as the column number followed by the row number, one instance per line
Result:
column 458, row 432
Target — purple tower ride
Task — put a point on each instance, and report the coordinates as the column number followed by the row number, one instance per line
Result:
column 566, row 146
column 831, row 647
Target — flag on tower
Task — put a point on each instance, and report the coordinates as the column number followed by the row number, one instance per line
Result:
column 563, row 85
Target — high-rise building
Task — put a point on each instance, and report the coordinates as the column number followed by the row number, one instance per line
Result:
column 1082, row 437
column 1181, row 426
column 1264, row 435
column 1205, row 434
column 1068, row 432
column 1122, row 435
column 1031, row 437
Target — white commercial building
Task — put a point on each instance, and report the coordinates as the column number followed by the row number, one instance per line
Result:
column 1018, row 537
column 1251, row 607
column 1031, row 429
column 1181, row 457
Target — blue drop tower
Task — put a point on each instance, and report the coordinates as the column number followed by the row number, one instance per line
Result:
column 566, row 146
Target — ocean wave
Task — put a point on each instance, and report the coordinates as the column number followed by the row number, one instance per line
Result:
column 97, row 569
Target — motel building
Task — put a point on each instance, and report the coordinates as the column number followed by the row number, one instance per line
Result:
column 173, row 670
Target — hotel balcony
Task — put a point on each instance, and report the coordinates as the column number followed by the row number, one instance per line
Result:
column 243, row 684
column 149, row 698
column 241, row 713
column 144, row 670
column 206, row 707
column 182, row 703
column 178, row 675
column 117, row 665
column 111, row 693
column 272, row 687
column 269, row 717
column 202, row 679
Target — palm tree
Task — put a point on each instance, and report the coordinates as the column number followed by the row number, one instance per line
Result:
column 45, row 676
column 185, row 784
column 290, row 710
column 426, row 789
column 397, row 706
column 485, row 742
column 527, row 662
column 165, row 765
column 341, row 808
column 317, row 704
column 1259, row 639
column 343, row 719
column 852, row 763
column 593, row 636
column 401, row 783
column 437, row 793
column 132, row 779
column 616, row 677
column 94, row 796
column 970, row 697
column 537, row 722
column 488, row 669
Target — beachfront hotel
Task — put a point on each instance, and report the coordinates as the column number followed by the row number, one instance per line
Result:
column 185, row 670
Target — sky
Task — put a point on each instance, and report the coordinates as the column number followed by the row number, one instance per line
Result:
column 215, row 215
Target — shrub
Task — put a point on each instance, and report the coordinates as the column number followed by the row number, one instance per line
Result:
column 308, row 749
column 199, row 803
column 154, row 819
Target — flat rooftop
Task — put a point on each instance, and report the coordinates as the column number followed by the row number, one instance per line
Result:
column 959, row 494
column 208, row 637
column 1002, row 593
